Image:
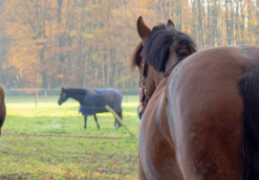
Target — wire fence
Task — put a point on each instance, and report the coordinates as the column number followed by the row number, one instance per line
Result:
column 37, row 92
column 56, row 92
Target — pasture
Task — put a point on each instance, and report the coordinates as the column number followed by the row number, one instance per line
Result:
column 49, row 142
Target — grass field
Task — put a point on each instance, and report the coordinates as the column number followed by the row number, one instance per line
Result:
column 49, row 142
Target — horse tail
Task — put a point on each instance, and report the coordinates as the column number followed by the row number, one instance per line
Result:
column 249, row 89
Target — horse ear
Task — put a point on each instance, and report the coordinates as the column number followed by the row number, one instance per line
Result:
column 170, row 24
column 142, row 29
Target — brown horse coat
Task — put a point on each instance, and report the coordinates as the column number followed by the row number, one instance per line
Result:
column 205, row 111
column 2, row 107
column 157, row 154
column 201, row 122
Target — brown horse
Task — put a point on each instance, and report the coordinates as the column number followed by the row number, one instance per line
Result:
column 201, row 121
column 2, row 107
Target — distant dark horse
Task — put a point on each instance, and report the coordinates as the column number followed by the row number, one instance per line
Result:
column 93, row 101
column 201, row 109
column 2, row 107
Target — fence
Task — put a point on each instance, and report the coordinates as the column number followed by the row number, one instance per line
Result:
column 56, row 92
column 35, row 92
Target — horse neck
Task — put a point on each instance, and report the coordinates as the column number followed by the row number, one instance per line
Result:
column 157, row 77
column 153, row 81
column 78, row 96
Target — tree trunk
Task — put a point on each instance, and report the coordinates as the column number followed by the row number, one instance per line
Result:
column 237, row 25
column 242, row 24
column 216, row 24
column 61, row 39
column 201, row 34
column 210, row 21
column 228, row 22
column 41, row 53
column 179, row 15
column 194, row 21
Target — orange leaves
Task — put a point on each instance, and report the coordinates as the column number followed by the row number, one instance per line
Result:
column 95, row 39
column 60, row 76
column 49, row 178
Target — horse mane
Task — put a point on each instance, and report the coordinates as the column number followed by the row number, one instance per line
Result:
column 161, row 40
column 74, row 90
column 136, row 58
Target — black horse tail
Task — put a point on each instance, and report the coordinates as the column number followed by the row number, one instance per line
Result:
column 249, row 89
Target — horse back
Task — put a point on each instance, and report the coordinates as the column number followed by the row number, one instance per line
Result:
column 205, row 111
column 96, row 100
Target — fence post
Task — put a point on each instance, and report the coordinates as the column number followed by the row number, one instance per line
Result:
column 126, row 94
column 45, row 92
column 36, row 97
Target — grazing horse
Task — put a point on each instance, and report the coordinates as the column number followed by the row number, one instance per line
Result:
column 201, row 108
column 93, row 101
column 2, row 108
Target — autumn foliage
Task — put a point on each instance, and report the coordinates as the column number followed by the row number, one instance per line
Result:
column 88, row 43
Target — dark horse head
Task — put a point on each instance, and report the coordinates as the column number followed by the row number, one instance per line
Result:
column 157, row 55
column 2, row 108
column 63, row 96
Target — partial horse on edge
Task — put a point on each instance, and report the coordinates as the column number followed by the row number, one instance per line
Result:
column 93, row 101
column 201, row 118
column 2, row 108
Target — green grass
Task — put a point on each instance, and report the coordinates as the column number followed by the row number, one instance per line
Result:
column 50, row 142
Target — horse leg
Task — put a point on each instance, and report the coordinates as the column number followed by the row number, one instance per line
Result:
column 95, row 117
column 116, row 121
column 85, row 118
column 121, row 117
column 115, row 124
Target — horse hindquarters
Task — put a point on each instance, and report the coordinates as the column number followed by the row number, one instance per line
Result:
column 204, row 111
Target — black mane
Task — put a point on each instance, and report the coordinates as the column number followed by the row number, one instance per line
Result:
column 159, row 42
column 136, row 58
column 75, row 90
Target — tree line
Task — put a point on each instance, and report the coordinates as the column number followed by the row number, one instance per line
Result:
column 88, row 43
